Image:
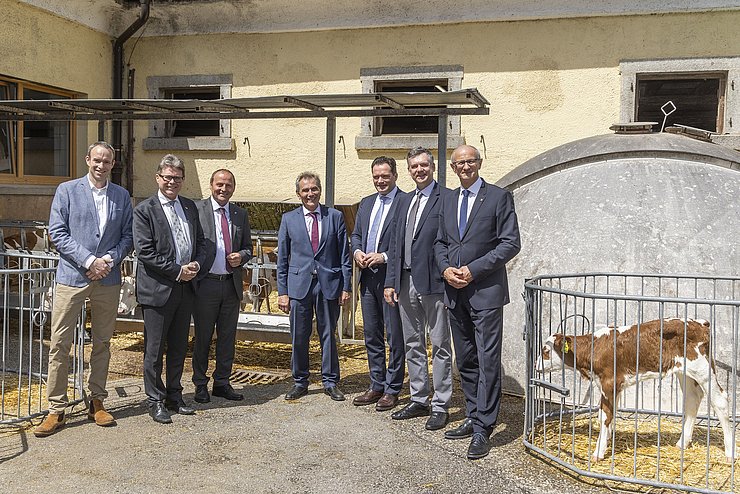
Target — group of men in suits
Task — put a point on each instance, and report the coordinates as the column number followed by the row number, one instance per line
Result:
column 432, row 259
column 183, row 248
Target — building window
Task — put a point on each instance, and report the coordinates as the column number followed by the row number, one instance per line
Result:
column 189, row 135
column 405, row 132
column 35, row 151
column 698, row 100
column 698, row 88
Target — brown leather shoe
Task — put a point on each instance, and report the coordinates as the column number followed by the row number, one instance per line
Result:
column 98, row 413
column 367, row 398
column 386, row 402
column 51, row 424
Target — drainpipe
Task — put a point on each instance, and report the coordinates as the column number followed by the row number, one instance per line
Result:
column 118, row 83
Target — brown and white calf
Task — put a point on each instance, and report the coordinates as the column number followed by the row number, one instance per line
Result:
column 613, row 370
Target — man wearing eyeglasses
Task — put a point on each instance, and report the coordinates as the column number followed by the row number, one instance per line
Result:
column 170, row 248
column 478, row 234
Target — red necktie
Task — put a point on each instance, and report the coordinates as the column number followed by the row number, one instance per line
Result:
column 227, row 238
column 315, row 231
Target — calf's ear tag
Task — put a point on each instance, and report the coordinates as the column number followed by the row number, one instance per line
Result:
column 566, row 346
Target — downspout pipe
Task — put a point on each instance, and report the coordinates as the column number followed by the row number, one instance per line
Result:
column 118, row 83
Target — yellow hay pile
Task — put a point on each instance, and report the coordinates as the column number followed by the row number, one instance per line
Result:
column 571, row 442
column 20, row 402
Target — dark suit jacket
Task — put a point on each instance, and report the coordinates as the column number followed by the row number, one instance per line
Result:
column 241, row 239
column 489, row 241
column 427, row 278
column 296, row 260
column 362, row 229
column 157, row 269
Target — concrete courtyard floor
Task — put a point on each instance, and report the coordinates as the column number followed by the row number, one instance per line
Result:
column 265, row 444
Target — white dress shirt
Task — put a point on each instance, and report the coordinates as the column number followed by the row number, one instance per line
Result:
column 376, row 206
column 181, row 216
column 100, row 197
column 219, row 263
column 474, row 190
column 423, row 199
column 308, row 218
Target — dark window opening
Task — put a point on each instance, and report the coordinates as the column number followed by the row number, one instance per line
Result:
column 408, row 124
column 193, row 128
column 698, row 101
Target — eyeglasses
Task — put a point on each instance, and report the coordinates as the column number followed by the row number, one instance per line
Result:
column 171, row 178
column 461, row 163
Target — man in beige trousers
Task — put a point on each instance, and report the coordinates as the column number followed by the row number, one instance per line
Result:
column 90, row 225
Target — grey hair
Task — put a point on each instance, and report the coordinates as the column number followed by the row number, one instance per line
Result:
column 307, row 176
column 171, row 161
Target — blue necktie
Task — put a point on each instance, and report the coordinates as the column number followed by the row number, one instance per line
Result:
column 372, row 235
column 463, row 212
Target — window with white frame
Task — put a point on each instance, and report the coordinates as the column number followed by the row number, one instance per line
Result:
column 405, row 132
column 192, row 135
column 35, row 151
column 697, row 88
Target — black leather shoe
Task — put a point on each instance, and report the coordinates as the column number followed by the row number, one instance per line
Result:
column 227, row 392
column 334, row 393
column 179, row 407
column 479, row 447
column 201, row 394
column 437, row 420
column 159, row 412
column 461, row 431
column 410, row 411
column 296, row 392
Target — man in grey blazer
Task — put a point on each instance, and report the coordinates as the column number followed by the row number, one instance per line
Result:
column 414, row 282
column 314, row 275
column 228, row 248
column 371, row 240
column 478, row 234
column 170, row 248
column 90, row 225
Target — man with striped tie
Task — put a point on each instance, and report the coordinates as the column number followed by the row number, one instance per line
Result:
column 170, row 248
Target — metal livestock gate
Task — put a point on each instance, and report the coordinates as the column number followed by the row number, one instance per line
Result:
column 26, row 287
column 562, row 407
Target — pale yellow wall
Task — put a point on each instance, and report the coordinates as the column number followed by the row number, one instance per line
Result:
column 40, row 47
column 548, row 81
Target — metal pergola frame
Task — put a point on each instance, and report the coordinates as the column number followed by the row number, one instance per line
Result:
column 328, row 106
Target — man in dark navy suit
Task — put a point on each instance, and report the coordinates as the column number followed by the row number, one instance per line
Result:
column 478, row 235
column 414, row 281
column 371, row 240
column 314, row 275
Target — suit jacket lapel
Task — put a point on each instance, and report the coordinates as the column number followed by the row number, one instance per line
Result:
column 479, row 198
column 391, row 212
column 324, row 214
column 433, row 197
column 90, row 202
column 234, row 228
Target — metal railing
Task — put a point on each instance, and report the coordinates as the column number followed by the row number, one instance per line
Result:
column 562, row 418
column 27, row 292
